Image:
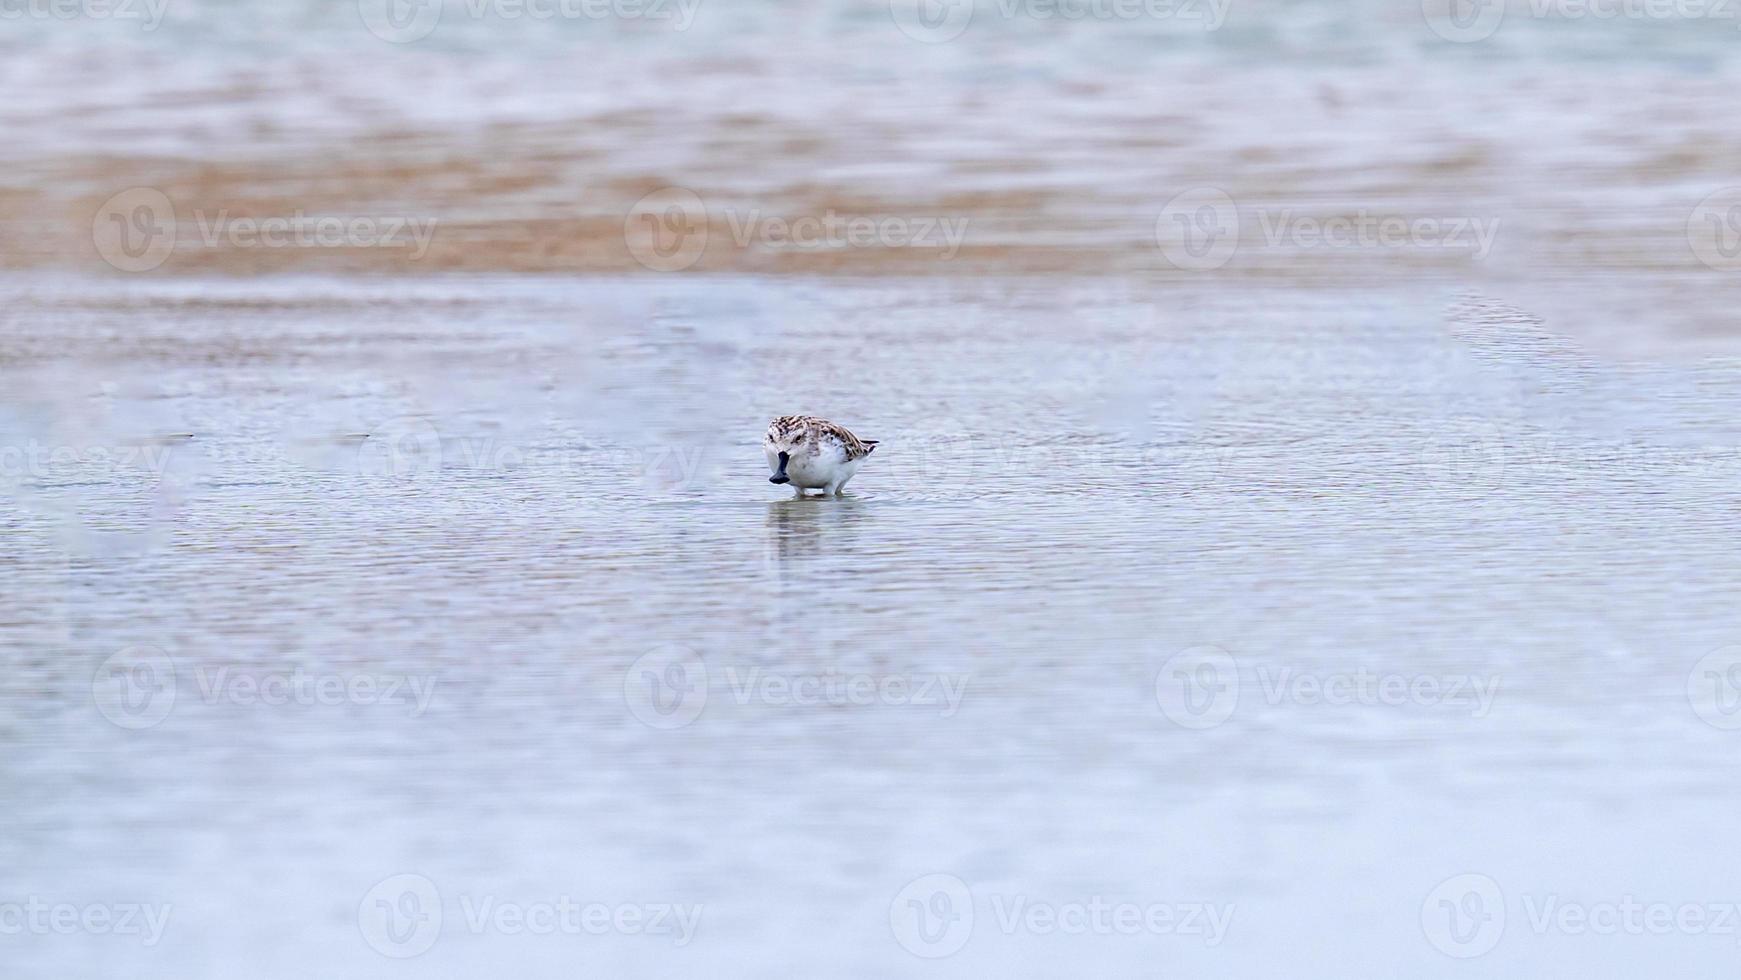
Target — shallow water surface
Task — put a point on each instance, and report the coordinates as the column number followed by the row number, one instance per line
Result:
column 1275, row 609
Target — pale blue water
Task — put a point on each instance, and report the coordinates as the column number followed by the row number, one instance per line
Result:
column 1330, row 485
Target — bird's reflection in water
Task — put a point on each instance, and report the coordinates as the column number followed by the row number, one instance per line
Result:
column 814, row 529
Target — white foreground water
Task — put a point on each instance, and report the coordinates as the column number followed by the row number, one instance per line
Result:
column 1193, row 633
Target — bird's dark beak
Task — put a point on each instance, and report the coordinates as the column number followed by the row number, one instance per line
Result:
column 780, row 475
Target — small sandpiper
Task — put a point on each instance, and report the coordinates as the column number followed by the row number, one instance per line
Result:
column 813, row 454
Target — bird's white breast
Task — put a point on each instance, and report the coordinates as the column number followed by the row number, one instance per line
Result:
column 813, row 471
